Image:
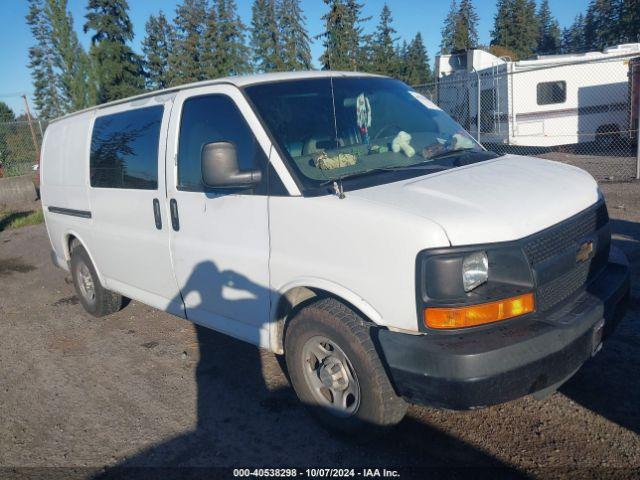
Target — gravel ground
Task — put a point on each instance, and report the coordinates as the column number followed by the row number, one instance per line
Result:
column 602, row 167
column 142, row 388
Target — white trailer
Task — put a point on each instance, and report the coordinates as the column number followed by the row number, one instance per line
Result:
column 547, row 101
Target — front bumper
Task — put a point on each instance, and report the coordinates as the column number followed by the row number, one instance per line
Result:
column 462, row 370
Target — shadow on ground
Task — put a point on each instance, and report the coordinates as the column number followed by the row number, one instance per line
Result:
column 11, row 217
column 606, row 384
column 274, row 429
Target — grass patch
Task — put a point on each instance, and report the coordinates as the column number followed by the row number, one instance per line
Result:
column 20, row 219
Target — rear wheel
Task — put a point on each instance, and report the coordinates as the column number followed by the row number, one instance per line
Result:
column 336, row 371
column 96, row 300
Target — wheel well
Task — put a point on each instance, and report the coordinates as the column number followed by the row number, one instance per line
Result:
column 71, row 243
column 294, row 300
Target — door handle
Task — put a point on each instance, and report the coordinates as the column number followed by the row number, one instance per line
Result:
column 175, row 220
column 156, row 213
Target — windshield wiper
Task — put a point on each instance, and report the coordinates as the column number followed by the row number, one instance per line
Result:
column 394, row 168
column 362, row 173
column 455, row 151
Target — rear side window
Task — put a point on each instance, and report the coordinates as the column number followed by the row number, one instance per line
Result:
column 213, row 118
column 551, row 92
column 124, row 149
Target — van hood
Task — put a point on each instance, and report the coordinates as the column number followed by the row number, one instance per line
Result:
column 498, row 200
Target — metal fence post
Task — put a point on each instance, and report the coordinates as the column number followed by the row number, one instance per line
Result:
column 478, row 107
column 638, row 156
column 638, row 143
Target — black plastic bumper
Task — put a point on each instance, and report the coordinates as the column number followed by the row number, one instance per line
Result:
column 510, row 360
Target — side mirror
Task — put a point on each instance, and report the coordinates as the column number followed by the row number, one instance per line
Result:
column 220, row 167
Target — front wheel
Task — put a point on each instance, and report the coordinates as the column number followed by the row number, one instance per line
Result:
column 336, row 371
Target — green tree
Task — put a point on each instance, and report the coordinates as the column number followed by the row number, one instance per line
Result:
column 41, row 63
column 6, row 128
column 548, row 30
column 294, row 48
column 573, row 36
column 118, row 69
column 385, row 58
column 449, row 29
column 465, row 36
column 265, row 42
column 416, row 68
column 6, row 114
column 186, row 61
column 603, row 24
column 70, row 60
column 630, row 21
column 342, row 36
column 231, row 54
column 516, row 27
column 157, row 47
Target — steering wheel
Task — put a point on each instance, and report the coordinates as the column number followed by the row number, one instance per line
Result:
column 386, row 127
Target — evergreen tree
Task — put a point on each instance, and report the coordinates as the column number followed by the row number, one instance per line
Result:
column 548, row 30
column 516, row 27
column 69, row 58
column 41, row 63
column 602, row 24
column 573, row 36
column 231, row 55
column 416, row 69
column 118, row 69
column 265, row 41
column 465, row 36
column 630, row 21
column 385, row 59
column 209, row 62
column 449, row 29
column 157, row 48
column 294, row 47
column 6, row 114
column 342, row 36
column 364, row 56
column 186, row 60
column 502, row 29
column 6, row 118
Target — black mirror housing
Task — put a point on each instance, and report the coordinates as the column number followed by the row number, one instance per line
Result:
column 220, row 167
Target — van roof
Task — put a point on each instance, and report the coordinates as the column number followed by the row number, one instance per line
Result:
column 238, row 81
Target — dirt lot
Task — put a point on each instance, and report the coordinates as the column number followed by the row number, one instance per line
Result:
column 142, row 388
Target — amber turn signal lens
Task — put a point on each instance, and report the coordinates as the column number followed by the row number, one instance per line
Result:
column 460, row 317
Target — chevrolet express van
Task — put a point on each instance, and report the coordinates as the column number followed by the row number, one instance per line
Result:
column 346, row 222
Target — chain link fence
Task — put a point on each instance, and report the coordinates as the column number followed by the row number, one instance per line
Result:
column 18, row 153
column 566, row 108
column 582, row 112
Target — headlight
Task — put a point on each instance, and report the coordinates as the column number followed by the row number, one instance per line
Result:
column 475, row 270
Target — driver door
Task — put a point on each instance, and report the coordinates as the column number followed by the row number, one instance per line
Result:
column 219, row 237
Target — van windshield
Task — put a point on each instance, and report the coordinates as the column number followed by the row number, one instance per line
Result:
column 351, row 127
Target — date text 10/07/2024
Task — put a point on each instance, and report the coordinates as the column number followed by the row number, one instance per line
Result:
column 316, row 472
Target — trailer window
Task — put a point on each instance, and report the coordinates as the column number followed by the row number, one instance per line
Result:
column 552, row 92
column 124, row 149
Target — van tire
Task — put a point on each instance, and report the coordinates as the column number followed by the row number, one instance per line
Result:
column 103, row 302
column 379, row 406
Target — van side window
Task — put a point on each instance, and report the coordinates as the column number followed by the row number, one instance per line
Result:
column 124, row 149
column 551, row 92
column 214, row 118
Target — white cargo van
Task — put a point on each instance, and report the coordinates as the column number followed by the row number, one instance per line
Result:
column 344, row 221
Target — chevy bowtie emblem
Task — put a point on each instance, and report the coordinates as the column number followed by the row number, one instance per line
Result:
column 584, row 252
